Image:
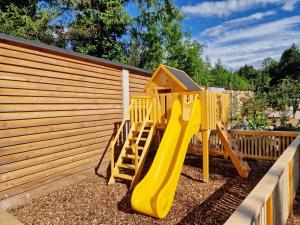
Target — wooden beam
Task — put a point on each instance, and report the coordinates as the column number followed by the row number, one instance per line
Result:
column 269, row 210
column 205, row 158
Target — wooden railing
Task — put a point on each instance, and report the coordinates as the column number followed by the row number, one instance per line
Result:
column 216, row 107
column 136, row 150
column 138, row 111
column 222, row 106
column 263, row 144
column 118, row 135
column 252, row 144
column 271, row 201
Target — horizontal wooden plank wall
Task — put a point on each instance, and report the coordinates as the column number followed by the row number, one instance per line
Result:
column 137, row 83
column 57, row 116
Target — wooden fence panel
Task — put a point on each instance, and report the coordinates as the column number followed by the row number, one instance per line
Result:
column 271, row 200
column 58, row 113
column 252, row 144
column 137, row 84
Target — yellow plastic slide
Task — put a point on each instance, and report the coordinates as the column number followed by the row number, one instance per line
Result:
column 155, row 193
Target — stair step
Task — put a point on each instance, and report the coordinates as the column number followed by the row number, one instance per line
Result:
column 127, row 166
column 131, row 148
column 134, row 139
column 123, row 176
column 146, row 130
column 128, row 156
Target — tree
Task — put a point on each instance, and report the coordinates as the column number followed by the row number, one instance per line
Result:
column 220, row 75
column 262, row 82
column 30, row 5
column 187, row 57
column 294, row 95
column 259, row 79
column 256, row 105
column 27, row 21
column 248, row 72
column 223, row 78
column 287, row 94
column 88, row 26
column 288, row 66
column 98, row 28
column 155, row 37
column 289, row 63
column 267, row 62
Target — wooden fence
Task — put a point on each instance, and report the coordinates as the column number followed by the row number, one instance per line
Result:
column 252, row 144
column 58, row 111
column 137, row 84
column 271, row 201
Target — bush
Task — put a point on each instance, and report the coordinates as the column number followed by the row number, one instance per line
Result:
column 286, row 127
column 258, row 121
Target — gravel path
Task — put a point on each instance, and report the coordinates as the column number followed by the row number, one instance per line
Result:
column 91, row 201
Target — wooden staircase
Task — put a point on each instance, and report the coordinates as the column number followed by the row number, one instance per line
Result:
column 232, row 149
column 134, row 152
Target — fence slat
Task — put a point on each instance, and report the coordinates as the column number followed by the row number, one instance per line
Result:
column 254, row 144
column 271, row 200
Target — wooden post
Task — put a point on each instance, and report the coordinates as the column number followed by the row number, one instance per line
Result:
column 125, row 97
column 291, row 184
column 269, row 210
column 205, row 155
column 125, row 90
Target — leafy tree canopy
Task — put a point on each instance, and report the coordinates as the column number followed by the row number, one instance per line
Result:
column 98, row 28
column 248, row 72
column 18, row 21
column 153, row 36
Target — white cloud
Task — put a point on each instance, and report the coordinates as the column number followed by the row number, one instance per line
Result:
column 228, row 7
column 250, row 45
column 289, row 5
column 230, row 24
column 263, row 30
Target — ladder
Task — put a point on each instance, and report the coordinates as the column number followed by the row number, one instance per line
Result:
column 232, row 150
column 134, row 151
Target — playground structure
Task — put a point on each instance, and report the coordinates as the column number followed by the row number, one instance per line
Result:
column 179, row 108
column 59, row 110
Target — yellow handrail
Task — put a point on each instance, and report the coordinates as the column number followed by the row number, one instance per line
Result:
column 146, row 119
column 112, row 145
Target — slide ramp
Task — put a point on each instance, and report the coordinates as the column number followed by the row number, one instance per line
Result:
column 155, row 193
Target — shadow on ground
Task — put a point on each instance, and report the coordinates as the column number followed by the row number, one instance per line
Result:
column 221, row 204
column 218, row 207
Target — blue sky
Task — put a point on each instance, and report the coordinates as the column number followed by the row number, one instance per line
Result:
column 242, row 31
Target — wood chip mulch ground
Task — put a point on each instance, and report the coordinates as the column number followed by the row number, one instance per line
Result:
column 91, row 201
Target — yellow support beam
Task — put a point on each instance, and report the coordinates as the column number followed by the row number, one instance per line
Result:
column 269, row 210
column 291, row 184
column 205, row 156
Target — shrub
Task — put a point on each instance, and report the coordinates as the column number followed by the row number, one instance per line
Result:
column 258, row 121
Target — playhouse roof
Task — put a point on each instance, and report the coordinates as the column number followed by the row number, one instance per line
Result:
column 179, row 76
